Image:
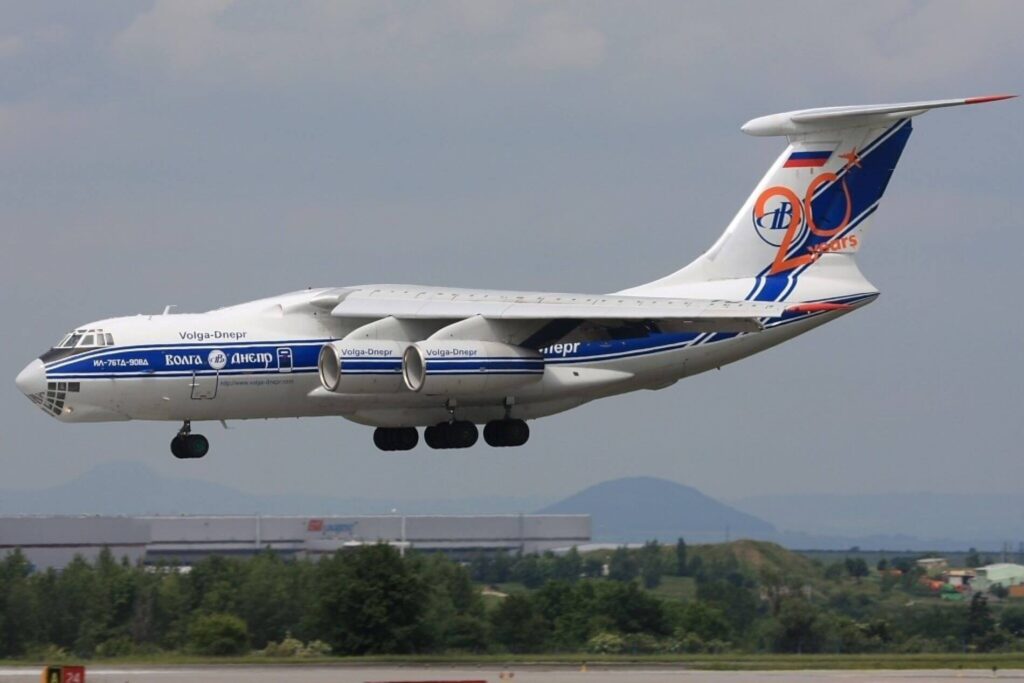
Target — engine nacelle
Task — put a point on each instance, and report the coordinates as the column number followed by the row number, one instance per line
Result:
column 362, row 367
column 451, row 368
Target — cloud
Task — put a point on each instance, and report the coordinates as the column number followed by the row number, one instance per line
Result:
column 225, row 41
column 11, row 46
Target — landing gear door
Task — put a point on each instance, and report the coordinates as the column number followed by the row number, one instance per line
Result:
column 284, row 359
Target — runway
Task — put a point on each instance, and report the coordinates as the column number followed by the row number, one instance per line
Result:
column 360, row 674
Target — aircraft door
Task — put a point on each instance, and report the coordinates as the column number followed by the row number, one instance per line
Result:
column 284, row 359
column 205, row 386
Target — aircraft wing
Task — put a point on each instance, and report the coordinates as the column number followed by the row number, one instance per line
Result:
column 458, row 304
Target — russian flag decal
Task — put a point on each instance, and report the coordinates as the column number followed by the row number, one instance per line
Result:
column 807, row 159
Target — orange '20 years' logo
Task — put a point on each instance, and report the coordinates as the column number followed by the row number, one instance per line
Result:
column 794, row 211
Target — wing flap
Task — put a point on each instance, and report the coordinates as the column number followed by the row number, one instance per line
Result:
column 719, row 314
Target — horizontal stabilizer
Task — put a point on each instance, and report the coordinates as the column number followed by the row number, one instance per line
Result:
column 831, row 118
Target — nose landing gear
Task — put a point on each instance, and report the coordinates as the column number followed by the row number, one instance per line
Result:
column 186, row 445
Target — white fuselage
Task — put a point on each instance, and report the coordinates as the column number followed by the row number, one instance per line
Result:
column 259, row 360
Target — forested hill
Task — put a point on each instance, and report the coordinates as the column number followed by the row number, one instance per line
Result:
column 646, row 507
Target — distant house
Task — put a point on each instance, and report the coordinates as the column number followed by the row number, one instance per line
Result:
column 932, row 565
column 1001, row 574
column 959, row 578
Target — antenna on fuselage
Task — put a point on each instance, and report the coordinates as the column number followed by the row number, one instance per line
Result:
column 168, row 307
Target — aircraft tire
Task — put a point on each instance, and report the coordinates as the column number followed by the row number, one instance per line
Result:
column 435, row 436
column 462, row 434
column 506, row 433
column 196, row 445
column 189, row 446
column 395, row 438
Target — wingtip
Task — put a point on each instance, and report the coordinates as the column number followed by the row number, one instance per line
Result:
column 987, row 98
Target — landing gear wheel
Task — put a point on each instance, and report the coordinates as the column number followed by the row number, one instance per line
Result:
column 434, row 436
column 396, row 438
column 506, row 433
column 189, row 446
column 462, row 434
column 458, row 434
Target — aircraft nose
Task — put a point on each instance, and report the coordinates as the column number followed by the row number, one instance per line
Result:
column 32, row 380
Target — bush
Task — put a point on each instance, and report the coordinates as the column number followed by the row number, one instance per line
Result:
column 219, row 634
column 293, row 647
column 606, row 644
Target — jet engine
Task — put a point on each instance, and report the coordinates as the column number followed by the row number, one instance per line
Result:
column 362, row 367
column 450, row 368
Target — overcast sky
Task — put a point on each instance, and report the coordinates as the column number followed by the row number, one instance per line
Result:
column 206, row 153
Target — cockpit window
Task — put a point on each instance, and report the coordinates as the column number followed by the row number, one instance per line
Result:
column 86, row 339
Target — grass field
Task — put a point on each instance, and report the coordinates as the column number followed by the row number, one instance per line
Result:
column 723, row 662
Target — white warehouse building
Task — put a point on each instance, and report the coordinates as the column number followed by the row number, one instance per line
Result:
column 1000, row 574
column 55, row 541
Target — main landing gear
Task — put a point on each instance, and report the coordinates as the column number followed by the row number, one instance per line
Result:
column 455, row 434
column 395, row 438
column 507, row 432
column 186, row 445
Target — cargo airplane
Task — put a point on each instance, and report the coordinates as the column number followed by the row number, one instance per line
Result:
column 401, row 357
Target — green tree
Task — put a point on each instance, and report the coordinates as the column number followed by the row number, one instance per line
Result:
column 622, row 565
column 271, row 597
column 801, row 628
column 856, row 567
column 529, row 571
column 218, row 634
column 519, row 625
column 652, row 564
column 630, row 610
column 734, row 596
column 568, row 567
column 369, row 602
column 704, row 621
column 980, row 623
column 1012, row 620
column 19, row 625
column 682, row 562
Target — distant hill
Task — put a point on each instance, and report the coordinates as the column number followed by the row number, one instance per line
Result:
column 982, row 520
column 637, row 508
column 131, row 488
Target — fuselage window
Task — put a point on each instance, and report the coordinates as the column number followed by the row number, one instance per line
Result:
column 110, row 338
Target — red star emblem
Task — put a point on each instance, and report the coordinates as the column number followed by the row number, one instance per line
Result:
column 852, row 158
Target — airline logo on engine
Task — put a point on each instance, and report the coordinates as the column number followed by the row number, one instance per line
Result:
column 451, row 353
column 360, row 353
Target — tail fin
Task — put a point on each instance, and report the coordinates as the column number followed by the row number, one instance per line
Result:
column 815, row 197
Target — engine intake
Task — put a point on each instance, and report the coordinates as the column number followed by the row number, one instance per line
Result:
column 469, row 367
column 362, row 367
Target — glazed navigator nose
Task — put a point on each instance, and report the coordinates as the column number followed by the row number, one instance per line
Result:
column 32, row 380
